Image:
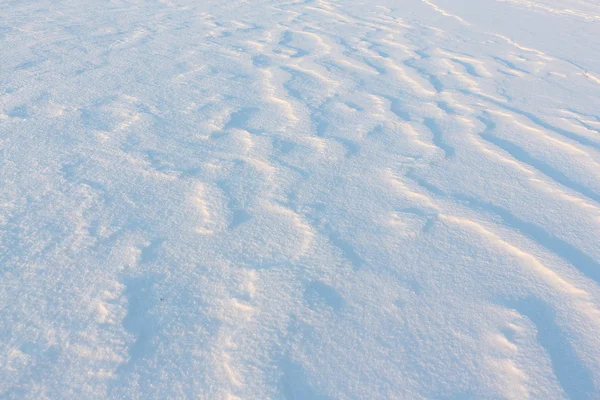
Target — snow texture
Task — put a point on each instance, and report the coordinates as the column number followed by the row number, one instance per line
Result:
column 277, row 199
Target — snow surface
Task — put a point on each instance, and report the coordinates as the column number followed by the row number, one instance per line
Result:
column 273, row 199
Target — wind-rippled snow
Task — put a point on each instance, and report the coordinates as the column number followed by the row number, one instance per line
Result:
column 319, row 199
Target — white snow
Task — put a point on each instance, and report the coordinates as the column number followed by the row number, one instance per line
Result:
column 319, row 199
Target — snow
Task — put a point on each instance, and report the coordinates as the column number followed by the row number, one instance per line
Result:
column 320, row 199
